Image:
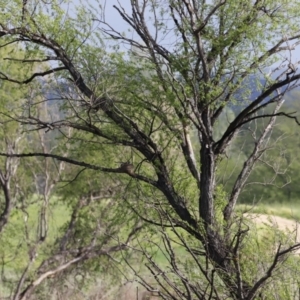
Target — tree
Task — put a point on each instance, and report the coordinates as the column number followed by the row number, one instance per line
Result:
column 196, row 60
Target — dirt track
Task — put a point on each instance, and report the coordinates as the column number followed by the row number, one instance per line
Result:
column 291, row 227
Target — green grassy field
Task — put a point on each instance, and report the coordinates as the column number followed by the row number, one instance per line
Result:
column 289, row 211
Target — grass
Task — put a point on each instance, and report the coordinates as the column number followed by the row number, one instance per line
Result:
column 21, row 234
column 289, row 211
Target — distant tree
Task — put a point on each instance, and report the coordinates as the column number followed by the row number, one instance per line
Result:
column 156, row 120
column 11, row 138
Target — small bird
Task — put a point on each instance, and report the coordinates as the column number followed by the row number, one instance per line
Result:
column 98, row 103
column 128, row 168
column 291, row 70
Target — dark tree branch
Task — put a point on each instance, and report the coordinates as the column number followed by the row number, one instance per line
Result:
column 280, row 114
column 83, row 164
column 5, row 186
column 209, row 15
column 38, row 74
column 275, row 49
column 221, row 145
column 48, row 58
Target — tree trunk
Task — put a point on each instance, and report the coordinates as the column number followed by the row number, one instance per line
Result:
column 207, row 183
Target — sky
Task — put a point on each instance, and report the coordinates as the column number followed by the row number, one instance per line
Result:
column 113, row 17
column 111, row 14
